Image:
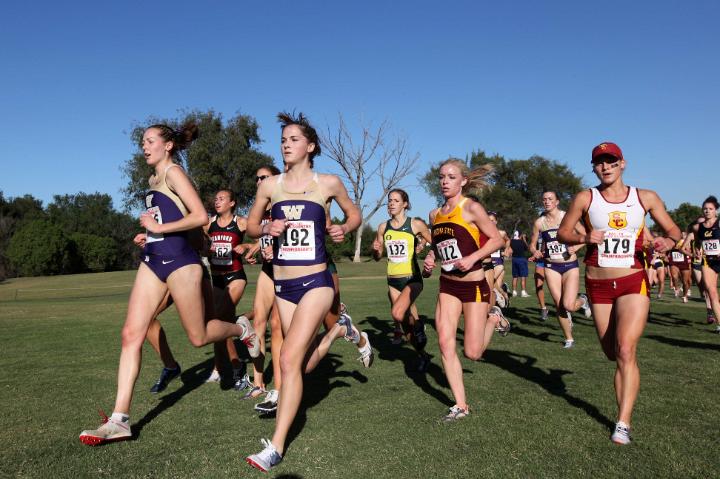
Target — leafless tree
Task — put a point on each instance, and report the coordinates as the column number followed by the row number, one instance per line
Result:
column 376, row 156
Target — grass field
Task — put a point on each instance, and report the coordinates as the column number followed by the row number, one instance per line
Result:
column 538, row 410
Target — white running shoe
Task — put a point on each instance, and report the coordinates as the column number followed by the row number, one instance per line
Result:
column 109, row 431
column 266, row 458
column 621, row 435
column 241, row 381
column 569, row 343
column 270, row 404
column 514, row 293
column 367, row 356
column 523, row 294
column 214, row 377
column 455, row 413
column 248, row 336
column 503, row 325
column 544, row 313
column 586, row 305
column 500, row 299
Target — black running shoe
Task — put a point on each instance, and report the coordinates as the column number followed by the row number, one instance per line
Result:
column 167, row 375
column 420, row 336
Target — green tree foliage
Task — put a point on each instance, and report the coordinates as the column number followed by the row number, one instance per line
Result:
column 685, row 214
column 93, row 214
column 225, row 155
column 516, row 187
column 13, row 213
column 94, row 253
column 39, row 247
column 346, row 249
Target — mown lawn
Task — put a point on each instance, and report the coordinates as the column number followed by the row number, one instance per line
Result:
column 538, row 410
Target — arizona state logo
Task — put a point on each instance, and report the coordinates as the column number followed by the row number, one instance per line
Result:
column 603, row 146
column 617, row 220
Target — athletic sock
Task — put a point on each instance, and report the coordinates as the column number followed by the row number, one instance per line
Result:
column 120, row 417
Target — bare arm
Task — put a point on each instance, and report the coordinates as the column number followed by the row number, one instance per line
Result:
column 379, row 241
column 568, row 233
column 178, row 181
column 533, row 241
column 337, row 191
column 657, row 211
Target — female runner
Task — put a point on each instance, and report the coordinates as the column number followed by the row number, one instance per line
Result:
column 497, row 257
column 614, row 217
column 303, row 286
column 680, row 267
column 170, row 263
column 708, row 237
column 561, row 265
column 226, row 232
column 398, row 237
column 463, row 235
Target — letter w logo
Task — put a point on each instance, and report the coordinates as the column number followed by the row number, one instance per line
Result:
column 293, row 212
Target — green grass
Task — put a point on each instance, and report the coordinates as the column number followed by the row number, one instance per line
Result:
column 538, row 410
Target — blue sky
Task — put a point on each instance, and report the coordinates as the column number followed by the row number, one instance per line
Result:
column 514, row 78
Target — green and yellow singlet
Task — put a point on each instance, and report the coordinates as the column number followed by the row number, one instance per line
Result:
column 400, row 248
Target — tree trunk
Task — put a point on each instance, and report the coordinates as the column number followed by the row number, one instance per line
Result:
column 358, row 241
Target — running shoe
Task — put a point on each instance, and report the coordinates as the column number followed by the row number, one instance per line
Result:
column 676, row 292
column 684, row 299
column 710, row 316
column 514, row 293
column 505, row 288
column 544, row 313
column 455, row 413
column 500, row 299
column 717, row 329
column 270, row 404
column 253, row 392
column 214, row 377
column 109, row 431
column 419, row 332
column 503, row 325
column 523, row 294
column 586, row 305
column 352, row 335
column 367, row 356
column 621, row 435
column 248, row 336
column 266, row 458
column 659, row 296
column 166, row 375
column 397, row 335
column 568, row 344
column 241, row 381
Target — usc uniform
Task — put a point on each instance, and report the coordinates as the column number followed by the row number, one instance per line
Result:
column 623, row 224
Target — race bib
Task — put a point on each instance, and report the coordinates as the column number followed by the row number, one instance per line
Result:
column 221, row 254
column 556, row 250
column 617, row 250
column 449, row 253
column 711, row 247
column 298, row 241
column 677, row 257
column 153, row 237
column 265, row 240
column 397, row 250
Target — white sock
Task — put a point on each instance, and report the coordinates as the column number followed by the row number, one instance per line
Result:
column 120, row 417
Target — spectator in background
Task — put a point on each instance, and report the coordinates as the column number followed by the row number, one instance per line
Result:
column 519, row 248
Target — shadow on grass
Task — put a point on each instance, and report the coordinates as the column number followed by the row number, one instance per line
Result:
column 380, row 339
column 317, row 386
column 552, row 381
column 668, row 319
column 683, row 343
column 191, row 378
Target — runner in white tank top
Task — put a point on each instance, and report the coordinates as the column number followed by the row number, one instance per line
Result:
column 615, row 279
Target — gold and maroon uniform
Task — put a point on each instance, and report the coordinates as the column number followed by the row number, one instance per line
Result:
column 453, row 239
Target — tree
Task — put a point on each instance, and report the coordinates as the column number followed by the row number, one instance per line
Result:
column 373, row 158
column 93, row 214
column 225, row 155
column 14, row 212
column 40, row 248
column 685, row 214
column 95, row 253
column 516, row 187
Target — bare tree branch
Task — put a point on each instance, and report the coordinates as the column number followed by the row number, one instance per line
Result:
column 375, row 159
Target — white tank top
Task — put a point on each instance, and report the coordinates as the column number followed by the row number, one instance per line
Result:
column 623, row 225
